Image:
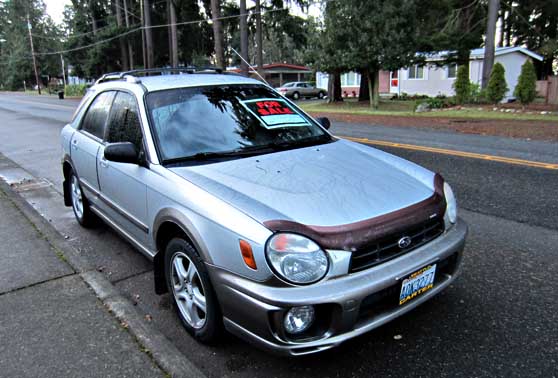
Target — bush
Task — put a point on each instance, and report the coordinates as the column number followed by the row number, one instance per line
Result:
column 526, row 88
column 462, row 85
column 75, row 90
column 497, row 86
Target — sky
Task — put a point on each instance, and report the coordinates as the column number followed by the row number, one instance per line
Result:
column 55, row 9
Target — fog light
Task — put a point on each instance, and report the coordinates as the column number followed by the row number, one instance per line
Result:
column 298, row 319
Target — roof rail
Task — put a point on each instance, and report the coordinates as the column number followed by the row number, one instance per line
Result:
column 165, row 70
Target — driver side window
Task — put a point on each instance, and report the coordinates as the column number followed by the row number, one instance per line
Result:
column 123, row 123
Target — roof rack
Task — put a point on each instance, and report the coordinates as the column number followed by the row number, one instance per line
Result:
column 162, row 71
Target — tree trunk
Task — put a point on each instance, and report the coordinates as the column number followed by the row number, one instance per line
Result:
column 488, row 62
column 374, row 88
column 259, row 39
column 148, row 33
column 243, row 38
column 173, row 34
column 128, row 42
column 218, row 34
column 121, row 43
column 334, row 87
column 93, row 18
column 363, row 94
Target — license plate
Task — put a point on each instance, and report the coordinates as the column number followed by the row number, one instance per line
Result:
column 417, row 283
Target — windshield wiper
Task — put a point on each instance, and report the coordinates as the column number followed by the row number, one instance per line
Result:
column 241, row 152
column 306, row 142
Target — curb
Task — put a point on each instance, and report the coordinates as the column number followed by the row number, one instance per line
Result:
column 154, row 343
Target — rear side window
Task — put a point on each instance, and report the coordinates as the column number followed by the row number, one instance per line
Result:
column 96, row 116
column 124, row 124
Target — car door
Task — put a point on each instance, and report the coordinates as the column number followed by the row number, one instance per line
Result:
column 122, row 185
column 86, row 142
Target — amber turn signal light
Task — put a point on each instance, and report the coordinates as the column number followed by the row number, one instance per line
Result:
column 247, row 255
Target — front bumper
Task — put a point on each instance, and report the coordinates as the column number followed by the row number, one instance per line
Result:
column 346, row 306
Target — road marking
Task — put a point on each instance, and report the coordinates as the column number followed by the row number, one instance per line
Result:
column 500, row 159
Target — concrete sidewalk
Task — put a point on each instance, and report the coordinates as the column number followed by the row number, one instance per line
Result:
column 51, row 322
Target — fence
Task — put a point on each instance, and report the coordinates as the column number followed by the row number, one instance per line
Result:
column 548, row 89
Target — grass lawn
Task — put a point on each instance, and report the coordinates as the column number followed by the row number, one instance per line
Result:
column 406, row 109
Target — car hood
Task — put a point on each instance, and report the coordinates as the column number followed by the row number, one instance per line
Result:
column 326, row 185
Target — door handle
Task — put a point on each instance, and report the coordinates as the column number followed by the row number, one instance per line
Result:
column 104, row 163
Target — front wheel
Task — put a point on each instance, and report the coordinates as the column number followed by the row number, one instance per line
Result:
column 80, row 205
column 194, row 298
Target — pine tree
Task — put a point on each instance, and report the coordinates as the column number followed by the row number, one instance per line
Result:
column 462, row 85
column 526, row 88
column 497, row 86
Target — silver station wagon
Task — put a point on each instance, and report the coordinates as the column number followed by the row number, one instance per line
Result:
column 257, row 219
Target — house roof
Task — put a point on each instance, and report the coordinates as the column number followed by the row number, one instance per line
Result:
column 479, row 53
column 278, row 67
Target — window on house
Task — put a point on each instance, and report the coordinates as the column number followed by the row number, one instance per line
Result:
column 416, row 72
column 452, row 71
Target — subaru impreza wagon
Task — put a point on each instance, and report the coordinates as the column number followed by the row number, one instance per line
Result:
column 257, row 219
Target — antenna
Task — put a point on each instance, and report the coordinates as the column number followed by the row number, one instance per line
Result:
column 249, row 65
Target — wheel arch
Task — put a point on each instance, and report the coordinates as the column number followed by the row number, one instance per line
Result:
column 67, row 167
column 169, row 224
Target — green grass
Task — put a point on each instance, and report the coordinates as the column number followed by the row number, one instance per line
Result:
column 406, row 109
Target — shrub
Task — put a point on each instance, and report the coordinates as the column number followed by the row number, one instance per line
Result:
column 497, row 86
column 526, row 88
column 75, row 90
column 462, row 85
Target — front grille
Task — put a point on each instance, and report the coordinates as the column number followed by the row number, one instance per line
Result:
column 388, row 248
column 388, row 299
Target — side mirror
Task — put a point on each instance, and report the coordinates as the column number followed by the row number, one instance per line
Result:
column 324, row 121
column 124, row 152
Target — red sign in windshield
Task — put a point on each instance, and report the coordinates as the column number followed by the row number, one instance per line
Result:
column 266, row 108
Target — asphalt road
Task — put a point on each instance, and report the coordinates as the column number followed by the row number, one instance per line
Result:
column 498, row 319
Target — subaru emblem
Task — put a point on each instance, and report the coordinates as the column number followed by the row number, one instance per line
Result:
column 404, row 242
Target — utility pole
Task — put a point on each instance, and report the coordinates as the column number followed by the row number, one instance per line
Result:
column 143, row 36
column 489, row 42
column 33, row 54
column 259, row 38
column 63, row 70
column 148, row 33
column 243, row 38
column 173, row 34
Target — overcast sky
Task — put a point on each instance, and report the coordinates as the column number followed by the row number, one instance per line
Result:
column 55, row 9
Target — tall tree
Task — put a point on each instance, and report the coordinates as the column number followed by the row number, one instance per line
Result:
column 218, row 33
column 490, row 40
column 117, row 5
column 128, row 40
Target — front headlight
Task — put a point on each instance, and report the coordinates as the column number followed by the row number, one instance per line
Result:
column 451, row 203
column 296, row 258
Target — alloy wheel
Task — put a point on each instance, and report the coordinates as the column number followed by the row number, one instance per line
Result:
column 188, row 290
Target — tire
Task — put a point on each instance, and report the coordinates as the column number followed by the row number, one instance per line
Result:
column 201, row 318
column 321, row 95
column 80, row 204
column 296, row 96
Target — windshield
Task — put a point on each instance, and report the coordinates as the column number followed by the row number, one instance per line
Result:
column 190, row 122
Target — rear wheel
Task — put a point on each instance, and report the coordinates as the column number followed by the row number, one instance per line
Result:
column 194, row 298
column 296, row 96
column 80, row 205
column 321, row 95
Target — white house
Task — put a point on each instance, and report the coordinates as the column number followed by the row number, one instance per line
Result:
column 432, row 80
